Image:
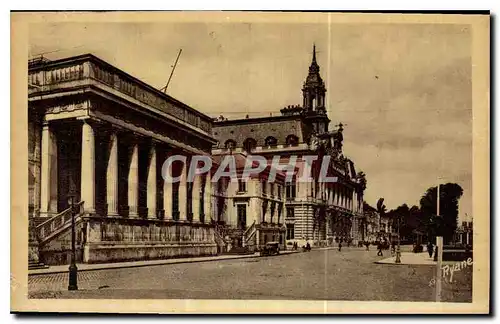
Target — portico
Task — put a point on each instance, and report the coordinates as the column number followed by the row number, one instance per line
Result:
column 107, row 141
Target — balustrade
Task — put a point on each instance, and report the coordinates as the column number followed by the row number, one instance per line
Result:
column 46, row 228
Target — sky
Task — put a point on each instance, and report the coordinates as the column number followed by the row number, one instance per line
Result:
column 403, row 91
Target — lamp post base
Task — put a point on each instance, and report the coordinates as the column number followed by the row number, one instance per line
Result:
column 73, row 277
column 398, row 257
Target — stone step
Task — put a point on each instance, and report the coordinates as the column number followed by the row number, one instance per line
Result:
column 37, row 265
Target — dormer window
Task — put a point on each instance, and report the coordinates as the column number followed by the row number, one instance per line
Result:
column 271, row 141
column 292, row 140
column 230, row 144
column 249, row 144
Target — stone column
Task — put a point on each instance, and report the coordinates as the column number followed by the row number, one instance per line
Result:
column 183, row 193
column 133, row 182
column 207, row 201
column 167, row 197
column 196, row 198
column 112, row 177
column 152, row 191
column 48, row 188
column 88, row 168
column 355, row 202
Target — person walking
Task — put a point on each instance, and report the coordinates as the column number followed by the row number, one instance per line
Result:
column 340, row 245
column 430, row 249
column 379, row 247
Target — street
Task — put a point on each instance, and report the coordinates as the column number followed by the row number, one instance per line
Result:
column 316, row 275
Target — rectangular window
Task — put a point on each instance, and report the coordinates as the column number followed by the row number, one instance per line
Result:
column 290, row 213
column 279, row 191
column 241, row 210
column 290, row 232
column 242, row 185
column 271, row 189
column 264, row 210
column 290, row 190
column 175, row 200
column 202, row 200
column 189, row 199
column 264, row 185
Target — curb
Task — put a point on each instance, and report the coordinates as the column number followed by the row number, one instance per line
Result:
column 168, row 261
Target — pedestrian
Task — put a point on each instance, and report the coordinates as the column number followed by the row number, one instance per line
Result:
column 367, row 244
column 430, row 249
column 379, row 246
column 340, row 245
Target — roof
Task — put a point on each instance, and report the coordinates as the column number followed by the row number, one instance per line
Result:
column 279, row 127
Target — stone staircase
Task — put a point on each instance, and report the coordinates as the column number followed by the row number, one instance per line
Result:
column 249, row 237
column 48, row 230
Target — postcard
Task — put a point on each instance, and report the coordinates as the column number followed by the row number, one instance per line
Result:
column 250, row 162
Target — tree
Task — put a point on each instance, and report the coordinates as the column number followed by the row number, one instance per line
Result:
column 381, row 209
column 450, row 194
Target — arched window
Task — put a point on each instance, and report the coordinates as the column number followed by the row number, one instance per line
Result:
column 271, row 141
column 292, row 140
column 249, row 144
column 230, row 144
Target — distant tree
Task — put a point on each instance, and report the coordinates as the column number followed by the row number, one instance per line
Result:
column 398, row 216
column 450, row 194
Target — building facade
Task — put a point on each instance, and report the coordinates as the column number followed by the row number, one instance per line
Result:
column 250, row 209
column 464, row 234
column 99, row 137
column 316, row 211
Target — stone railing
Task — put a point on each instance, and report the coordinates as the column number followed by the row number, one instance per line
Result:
column 250, row 233
column 258, row 149
column 57, row 74
column 48, row 227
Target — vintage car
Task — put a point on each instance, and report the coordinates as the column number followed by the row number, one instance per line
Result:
column 270, row 248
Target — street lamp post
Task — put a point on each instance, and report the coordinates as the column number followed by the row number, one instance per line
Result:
column 73, row 270
column 439, row 250
column 398, row 250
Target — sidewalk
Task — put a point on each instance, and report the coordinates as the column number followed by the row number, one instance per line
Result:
column 410, row 258
column 132, row 264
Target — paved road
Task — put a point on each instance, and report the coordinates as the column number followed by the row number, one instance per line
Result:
column 318, row 275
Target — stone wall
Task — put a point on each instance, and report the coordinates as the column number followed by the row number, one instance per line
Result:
column 106, row 239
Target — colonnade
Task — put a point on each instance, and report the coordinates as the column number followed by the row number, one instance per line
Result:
column 174, row 197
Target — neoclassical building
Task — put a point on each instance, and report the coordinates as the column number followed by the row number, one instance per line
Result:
column 316, row 211
column 100, row 135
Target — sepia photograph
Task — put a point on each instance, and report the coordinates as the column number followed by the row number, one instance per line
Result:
column 250, row 162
